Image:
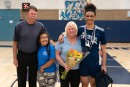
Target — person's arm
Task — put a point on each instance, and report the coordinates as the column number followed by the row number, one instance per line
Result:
column 103, row 49
column 52, row 42
column 61, row 37
column 46, row 65
column 15, row 61
column 100, row 52
column 62, row 63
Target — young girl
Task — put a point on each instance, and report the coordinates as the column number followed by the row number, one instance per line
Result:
column 46, row 62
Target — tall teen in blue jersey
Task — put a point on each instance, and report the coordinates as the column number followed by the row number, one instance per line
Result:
column 46, row 62
column 91, row 37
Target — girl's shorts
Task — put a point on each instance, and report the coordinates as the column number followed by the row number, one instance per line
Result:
column 46, row 79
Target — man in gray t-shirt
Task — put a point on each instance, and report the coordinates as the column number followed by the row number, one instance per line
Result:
column 25, row 47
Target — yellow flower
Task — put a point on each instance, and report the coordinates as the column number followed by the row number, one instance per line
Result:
column 79, row 55
column 72, row 58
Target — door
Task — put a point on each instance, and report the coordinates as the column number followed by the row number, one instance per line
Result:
column 8, row 20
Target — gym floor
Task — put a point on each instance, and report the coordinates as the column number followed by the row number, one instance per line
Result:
column 118, row 64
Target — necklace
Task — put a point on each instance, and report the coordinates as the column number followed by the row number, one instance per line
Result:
column 89, row 43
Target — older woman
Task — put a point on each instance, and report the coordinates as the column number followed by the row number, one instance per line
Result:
column 71, row 41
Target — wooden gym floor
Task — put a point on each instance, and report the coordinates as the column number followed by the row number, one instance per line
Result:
column 118, row 64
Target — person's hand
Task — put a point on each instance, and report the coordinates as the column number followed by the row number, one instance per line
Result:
column 15, row 62
column 42, row 69
column 60, row 39
column 67, row 68
column 52, row 42
column 104, row 69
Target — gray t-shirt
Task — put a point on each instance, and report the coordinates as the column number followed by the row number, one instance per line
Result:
column 64, row 47
column 26, row 35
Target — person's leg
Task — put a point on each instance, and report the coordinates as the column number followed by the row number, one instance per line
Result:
column 84, row 81
column 75, row 78
column 41, row 79
column 51, row 79
column 21, row 70
column 92, row 82
column 65, row 82
column 33, row 67
column 94, row 70
column 84, row 73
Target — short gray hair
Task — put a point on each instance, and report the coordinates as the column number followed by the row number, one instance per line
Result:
column 72, row 24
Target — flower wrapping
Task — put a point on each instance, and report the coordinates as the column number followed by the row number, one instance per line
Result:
column 73, row 57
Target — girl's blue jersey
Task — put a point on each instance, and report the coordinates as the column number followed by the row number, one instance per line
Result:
column 44, row 58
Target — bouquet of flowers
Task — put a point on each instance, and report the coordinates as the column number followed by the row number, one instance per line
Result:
column 73, row 57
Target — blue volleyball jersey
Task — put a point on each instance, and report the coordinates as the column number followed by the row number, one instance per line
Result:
column 95, row 37
column 44, row 58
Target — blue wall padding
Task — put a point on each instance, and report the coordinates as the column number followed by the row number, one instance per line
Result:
column 116, row 31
